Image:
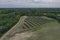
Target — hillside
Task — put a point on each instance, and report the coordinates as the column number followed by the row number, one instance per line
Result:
column 28, row 26
column 10, row 16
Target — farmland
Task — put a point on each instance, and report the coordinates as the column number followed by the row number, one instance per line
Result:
column 36, row 18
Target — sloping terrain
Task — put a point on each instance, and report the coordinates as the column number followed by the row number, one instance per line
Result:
column 21, row 36
column 52, row 33
column 15, row 29
column 25, row 27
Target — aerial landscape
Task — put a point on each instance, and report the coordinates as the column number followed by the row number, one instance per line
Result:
column 29, row 23
column 29, row 20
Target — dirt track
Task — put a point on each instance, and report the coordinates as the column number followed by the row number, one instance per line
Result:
column 21, row 36
column 14, row 29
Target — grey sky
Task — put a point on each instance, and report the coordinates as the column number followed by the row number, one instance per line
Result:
column 30, row 3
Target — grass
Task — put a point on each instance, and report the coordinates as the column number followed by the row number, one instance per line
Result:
column 46, row 25
column 52, row 24
column 48, row 31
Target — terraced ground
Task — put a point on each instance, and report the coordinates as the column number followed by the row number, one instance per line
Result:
column 32, row 26
column 52, row 33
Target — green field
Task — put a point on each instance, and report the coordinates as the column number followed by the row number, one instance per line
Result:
column 49, row 31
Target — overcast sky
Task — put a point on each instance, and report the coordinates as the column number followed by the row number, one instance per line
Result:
column 30, row 3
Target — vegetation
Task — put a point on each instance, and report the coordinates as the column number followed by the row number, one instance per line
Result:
column 9, row 16
column 48, row 31
column 7, row 21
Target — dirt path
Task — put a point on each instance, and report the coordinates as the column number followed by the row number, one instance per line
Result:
column 15, row 29
column 21, row 36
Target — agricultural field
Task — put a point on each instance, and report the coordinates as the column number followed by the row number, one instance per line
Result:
column 41, row 24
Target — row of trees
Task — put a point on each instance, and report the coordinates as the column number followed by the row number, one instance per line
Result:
column 49, row 12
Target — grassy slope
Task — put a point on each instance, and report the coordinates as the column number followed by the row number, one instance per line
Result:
column 48, row 24
column 39, row 31
column 49, row 31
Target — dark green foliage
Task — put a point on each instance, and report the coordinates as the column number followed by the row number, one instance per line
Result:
column 7, row 20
